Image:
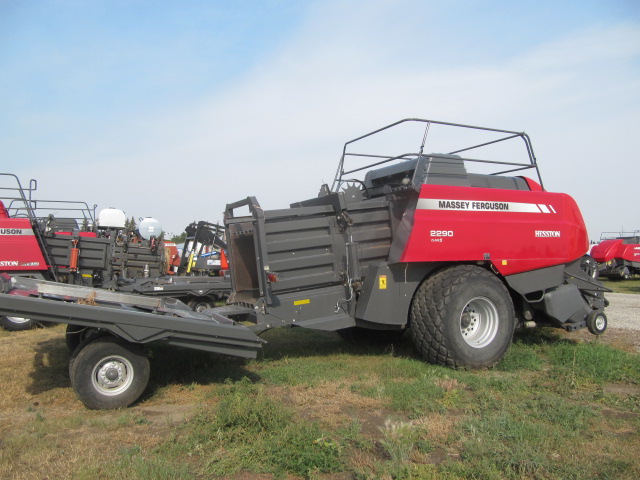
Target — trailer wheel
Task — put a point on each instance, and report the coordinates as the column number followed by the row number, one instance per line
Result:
column 462, row 317
column 200, row 304
column 16, row 324
column 597, row 322
column 109, row 373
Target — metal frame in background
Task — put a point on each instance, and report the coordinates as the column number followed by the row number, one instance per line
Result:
column 21, row 204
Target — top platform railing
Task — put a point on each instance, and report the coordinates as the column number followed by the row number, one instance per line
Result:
column 494, row 138
column 19, row 202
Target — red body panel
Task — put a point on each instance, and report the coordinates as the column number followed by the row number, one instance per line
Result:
column 615, row 248
column 606, row 250
column 517, row 231
column 19, row 248
column 171, row 250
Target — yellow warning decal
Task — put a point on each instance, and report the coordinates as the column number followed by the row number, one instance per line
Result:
column 302, row 302
column 382, row 282
column 87, row 275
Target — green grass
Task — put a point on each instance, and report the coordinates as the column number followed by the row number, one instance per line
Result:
column 535, row 416
column 623, row 286
column 313, row 406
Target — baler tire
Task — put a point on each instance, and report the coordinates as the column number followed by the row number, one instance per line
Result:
column 108, row 373
column 597, row 322
column 462, row 317
column 17, row 324
column 360, row 335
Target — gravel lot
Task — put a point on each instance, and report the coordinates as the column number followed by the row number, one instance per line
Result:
column 623, row 310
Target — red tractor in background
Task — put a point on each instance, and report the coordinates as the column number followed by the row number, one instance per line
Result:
column 618, row 255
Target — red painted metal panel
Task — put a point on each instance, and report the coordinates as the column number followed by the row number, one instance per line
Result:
column 19, row 248
column 516, row 230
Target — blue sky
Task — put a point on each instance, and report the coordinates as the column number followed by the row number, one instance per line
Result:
column 173, row 109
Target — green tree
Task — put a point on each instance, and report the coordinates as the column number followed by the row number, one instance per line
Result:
column 130, row 226
column 179, row 238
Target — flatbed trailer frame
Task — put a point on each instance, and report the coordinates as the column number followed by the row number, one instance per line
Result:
column 135, row 318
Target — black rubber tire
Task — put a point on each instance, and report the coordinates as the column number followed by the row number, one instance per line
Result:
column 109, row 356
column 597, row 322
column 360, row 335
column 455, row 298
column 200, row 304
column 12, row 326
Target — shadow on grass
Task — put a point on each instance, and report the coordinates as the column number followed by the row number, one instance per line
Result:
column 172, row 365
column 50, row 367
column 302, row 342
column 542, row 336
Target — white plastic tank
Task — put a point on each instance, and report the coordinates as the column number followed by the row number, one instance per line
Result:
column 149, row 227
column 111, row 218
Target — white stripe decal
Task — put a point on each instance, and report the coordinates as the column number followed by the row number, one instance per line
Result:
column 15, row 231
column 552, row 209
column 477, row 205
column 544, row 208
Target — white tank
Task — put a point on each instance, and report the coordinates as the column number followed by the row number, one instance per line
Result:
column 111, row 218
column 149, row 227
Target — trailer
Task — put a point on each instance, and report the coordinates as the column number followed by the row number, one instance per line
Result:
column 403, row 242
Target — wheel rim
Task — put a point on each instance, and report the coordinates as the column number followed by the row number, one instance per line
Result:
column 112, row 375
column 201, row 307
column 19, row 320
column 600, row 322
column 479, row 321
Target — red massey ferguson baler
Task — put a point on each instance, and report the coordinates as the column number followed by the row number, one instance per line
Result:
column 417, row 241
column 618, row 255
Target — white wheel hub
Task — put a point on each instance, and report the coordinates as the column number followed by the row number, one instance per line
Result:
column 112, row 375
column 479, row 322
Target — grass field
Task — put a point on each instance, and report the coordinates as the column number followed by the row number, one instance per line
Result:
column 313, row 406
column 623, row 286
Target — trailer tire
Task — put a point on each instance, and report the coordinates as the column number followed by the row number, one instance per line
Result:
column 108, row 373
column 462, row 317
column 597, row 322
column 200, row 304
column 17, row 324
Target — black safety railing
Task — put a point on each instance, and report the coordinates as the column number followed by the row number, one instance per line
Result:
column 505, row 167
